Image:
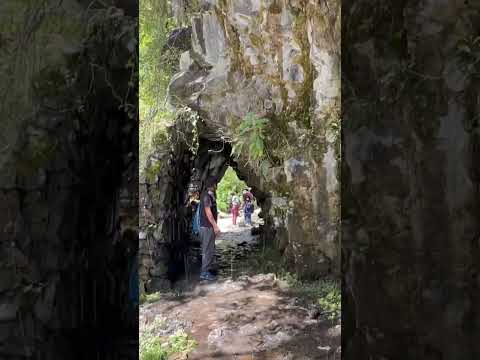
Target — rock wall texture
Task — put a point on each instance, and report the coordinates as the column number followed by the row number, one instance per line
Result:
column 280, row 60
column 68, row 199
column 411, row 140
column 165, row 221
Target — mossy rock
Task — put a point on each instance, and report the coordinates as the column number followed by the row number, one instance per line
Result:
column 152, row 171
column 160, row 139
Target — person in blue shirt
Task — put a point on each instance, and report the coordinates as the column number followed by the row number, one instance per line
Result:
column 248, row 211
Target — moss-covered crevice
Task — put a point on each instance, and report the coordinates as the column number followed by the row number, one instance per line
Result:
column 239, row 61
column 302, row 109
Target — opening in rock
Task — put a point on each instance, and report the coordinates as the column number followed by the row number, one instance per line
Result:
column 238, row 238
column 169, row 249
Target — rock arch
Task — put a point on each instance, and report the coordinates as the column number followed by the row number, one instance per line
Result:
column 286, row 69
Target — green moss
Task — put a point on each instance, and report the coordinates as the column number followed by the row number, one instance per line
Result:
column 159, row 139
column 223, row 4
column 152, row 171
column 256, row 40
column 154, row 347
column 301, row 111
column 240, row 63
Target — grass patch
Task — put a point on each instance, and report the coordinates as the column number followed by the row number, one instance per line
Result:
column 153, row 347
column 156, row 347
column 330, row 298
column 324, row 293
column 150, row 298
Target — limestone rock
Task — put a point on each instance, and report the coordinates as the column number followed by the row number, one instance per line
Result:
column 278, row 60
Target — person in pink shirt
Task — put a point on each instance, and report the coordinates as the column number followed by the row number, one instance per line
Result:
column 235, row 210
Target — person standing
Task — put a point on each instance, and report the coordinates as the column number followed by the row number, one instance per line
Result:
column 230, row 198
column 248, row 211
column 235, row 208
column 209, row 230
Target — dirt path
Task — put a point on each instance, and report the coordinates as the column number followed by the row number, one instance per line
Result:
column 246, row 317
column 234, row 244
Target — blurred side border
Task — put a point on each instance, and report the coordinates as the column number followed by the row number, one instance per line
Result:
column 68, row 179
column 410, row 179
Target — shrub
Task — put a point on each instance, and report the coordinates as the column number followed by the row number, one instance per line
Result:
column 330, row 299
column 154, row 347
column 230, row 182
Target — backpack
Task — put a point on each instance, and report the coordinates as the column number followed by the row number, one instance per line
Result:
column 196, row 221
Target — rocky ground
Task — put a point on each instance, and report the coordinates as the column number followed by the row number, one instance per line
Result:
column 240, row 316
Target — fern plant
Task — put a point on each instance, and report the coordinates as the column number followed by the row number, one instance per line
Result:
column 249, row 142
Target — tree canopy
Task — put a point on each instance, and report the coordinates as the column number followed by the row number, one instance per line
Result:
column 230, row 182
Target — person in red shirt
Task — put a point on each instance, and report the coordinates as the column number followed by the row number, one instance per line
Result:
column 235, row 210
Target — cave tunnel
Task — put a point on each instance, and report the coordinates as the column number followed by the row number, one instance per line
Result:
column 210, row 162
column 188, row 172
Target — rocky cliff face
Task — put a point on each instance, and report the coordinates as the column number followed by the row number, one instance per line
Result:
column 277, row 59
column 411, row 137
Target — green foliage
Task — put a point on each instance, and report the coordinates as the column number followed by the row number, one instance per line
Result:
column 330, row 298
column 153, row 347
column 156, row 67
column 187, row 119
column 324, row 292
column 181, row 343
column 249, row 142
column 230, row 182
column 151, row 298
column 159, row 138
